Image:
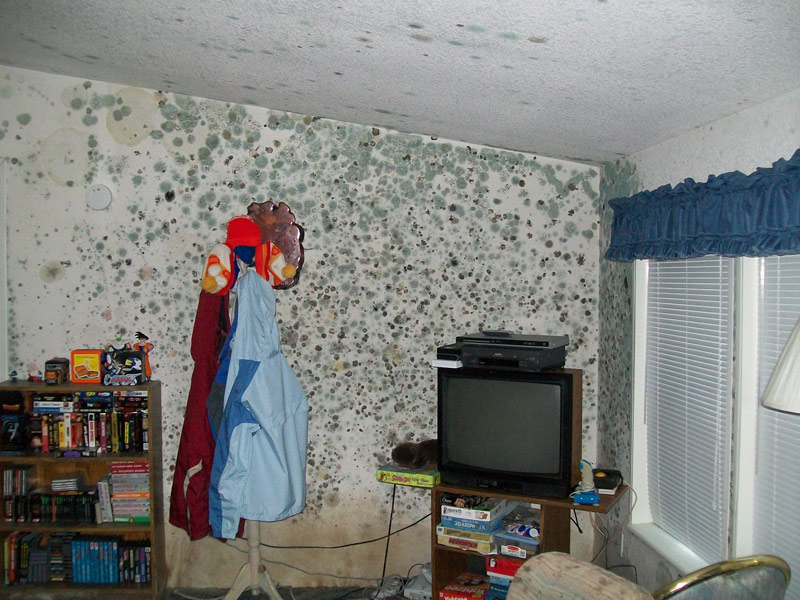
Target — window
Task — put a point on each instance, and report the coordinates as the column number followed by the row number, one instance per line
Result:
column 713, row 469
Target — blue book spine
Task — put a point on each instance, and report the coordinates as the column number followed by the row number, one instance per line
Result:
column 107, row 561
column 142, row 566
column 101, row 562
column 114, row 562
column 76, row 574
column 93, row 561
column 470, row 525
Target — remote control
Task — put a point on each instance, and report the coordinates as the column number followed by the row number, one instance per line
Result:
column 496, row 333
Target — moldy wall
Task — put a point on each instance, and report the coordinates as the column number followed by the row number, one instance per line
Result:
column 409, row 241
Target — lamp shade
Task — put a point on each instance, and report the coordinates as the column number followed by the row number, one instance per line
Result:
column 783, row 389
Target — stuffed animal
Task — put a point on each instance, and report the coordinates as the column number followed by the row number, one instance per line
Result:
column 267, row 238
column 420, row 455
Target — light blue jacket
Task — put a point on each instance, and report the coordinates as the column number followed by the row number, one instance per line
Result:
column 259, row 469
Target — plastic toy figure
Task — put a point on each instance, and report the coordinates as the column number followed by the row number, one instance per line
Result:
column 143, row 345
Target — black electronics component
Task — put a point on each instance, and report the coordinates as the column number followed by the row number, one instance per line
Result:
column 449, row 352
column 507, row 351
column 517, row 340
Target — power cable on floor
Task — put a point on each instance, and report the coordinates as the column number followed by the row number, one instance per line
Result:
column 336, row 546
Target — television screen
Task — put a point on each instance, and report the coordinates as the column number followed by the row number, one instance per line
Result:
column 512, row 430
column 504, row 425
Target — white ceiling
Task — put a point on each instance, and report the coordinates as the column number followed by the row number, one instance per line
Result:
column 581, row 79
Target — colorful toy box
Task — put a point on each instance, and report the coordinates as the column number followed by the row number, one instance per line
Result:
column 86, row 366
column 56, row 371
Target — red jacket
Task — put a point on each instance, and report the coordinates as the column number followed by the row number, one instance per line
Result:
column 189, row 499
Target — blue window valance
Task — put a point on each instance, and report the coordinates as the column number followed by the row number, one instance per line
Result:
column 730, row 215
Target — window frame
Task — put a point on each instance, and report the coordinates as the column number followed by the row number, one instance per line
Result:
column 746, row 274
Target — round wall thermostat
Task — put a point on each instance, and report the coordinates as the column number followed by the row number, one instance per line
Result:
column 98, row 196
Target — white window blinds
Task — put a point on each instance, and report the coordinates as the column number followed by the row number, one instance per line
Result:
column 777, row 503
column 688, row 395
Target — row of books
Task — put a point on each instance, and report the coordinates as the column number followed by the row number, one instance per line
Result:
column 43, row 506
column 488, row 525
column 123, row 495
column 31, row 557
column 79, row 424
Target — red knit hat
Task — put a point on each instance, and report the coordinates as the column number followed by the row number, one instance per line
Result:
column 243, row 232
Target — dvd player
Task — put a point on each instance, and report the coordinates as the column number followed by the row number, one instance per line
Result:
column 506, row 338
column 506, row 351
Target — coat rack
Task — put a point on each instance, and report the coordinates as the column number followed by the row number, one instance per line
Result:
column 271, row 242
column 253, row 575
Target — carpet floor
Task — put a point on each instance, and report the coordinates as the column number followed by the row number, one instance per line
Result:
column 287, row 593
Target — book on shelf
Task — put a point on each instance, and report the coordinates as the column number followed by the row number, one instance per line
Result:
column 129, row 466
column 461, row 500
column 487, row 510
column 607, row 481
column 104, row 500
column 473, row 535
column 68, row 482
column 503, row 566
column 463, row 543
column 498, row 588
column 471, row 524
column 394, row 473
column 466, row 586
column 13, row 434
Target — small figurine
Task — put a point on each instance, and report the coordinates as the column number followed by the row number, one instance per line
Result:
column 143, row 345
column 13, row 375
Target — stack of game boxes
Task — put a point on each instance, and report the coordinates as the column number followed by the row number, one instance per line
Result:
column 470, row 522
column 501, row 570
column 130, row 491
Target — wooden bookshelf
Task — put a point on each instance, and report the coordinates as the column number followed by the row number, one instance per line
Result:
column 45, row 466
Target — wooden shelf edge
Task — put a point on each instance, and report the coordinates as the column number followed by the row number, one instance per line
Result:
column 105, row 528
column 75, row 590
column 607, row 501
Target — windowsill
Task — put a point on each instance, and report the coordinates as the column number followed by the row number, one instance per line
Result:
column 671, row 550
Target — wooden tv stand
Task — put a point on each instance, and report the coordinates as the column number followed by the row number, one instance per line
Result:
column 554, row 532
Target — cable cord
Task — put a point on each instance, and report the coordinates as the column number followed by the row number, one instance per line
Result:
column 623, row 522
column 189, row 597
column 337, row 546
column 386, row 548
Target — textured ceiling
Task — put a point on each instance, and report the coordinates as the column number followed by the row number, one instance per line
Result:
column 581, row 79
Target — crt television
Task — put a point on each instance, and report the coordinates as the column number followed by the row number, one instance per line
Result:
column 511, row 431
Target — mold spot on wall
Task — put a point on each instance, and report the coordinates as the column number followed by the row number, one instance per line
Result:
column 52, row 271
column 64, row 158
column 130, row 120
column 75, row 97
